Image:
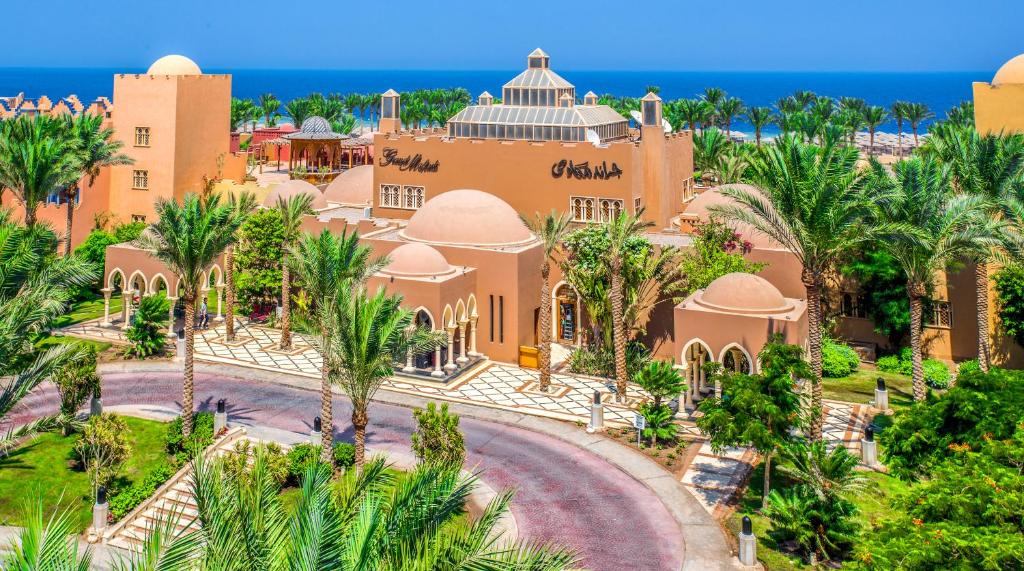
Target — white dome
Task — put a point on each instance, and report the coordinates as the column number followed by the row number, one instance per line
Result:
column 174, row 65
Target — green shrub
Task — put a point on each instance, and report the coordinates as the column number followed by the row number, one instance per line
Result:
column 301, row 457
column 238, row 462
column 75, row 382
column 149, row 326
column 125, row 500
column 936, row 373
column 437, row 439
column 202, row 436
column 1009, row 286
column 600, row 361
column 888, row 364
column 344, row 455
column 103, row 448
column 968, row 368
column 659, row 422
column 837, row 359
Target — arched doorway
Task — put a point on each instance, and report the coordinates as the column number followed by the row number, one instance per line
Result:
column 567, row 315
column 695, row 355
column 735, row 359
column 426, row 360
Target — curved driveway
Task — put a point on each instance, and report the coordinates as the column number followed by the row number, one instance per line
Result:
column 564, row 494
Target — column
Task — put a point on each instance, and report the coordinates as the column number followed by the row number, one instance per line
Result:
column 472, row 337
column 701, row 375
column 170, row 315
column 220, row 301
column 462, row 343
column 126, row 308
column 450, row 365
column 408, row 368
column 106, row 307
column 437, row 363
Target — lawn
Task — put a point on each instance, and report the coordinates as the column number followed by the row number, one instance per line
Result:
column 859, row 387
column 873, row 503
column 43, row 466
column 50, row 340
column 86, row 310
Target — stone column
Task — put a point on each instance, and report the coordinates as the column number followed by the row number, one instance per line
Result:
column 220, row 301
column 699, row 372
column 170, row 315
column 688, row 376
column 450, row 365
column 408, row 368
column 106, row 307
column 126, row 308
column 437, row 363
column 462, row 343
column 472, row 337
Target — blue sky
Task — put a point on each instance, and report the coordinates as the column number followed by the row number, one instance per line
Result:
column 790, row 35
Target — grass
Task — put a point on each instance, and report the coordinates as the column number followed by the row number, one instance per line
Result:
column 99, row 346
column 859, row 387
column 87, row 310
column 874, row 503
column 43, row 467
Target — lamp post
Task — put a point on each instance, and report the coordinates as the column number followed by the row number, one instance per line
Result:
column 748, row 544
column 596, row 414
column 315, row 435
column 869, row 448
column 220, row 419
column 881, row 395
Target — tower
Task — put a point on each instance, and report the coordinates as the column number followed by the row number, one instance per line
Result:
column 390, row 112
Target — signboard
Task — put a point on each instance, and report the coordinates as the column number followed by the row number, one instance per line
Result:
column 413, row 163
column 639, row 422
column 583, row 171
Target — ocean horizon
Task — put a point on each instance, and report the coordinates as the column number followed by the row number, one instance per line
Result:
column 939, row 90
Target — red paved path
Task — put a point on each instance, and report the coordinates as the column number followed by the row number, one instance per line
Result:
column 564, row 494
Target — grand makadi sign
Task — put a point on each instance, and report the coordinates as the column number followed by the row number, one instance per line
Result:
column 584, row 171
column 389, row 157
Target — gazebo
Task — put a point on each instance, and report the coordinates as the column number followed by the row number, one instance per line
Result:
column 320, row 151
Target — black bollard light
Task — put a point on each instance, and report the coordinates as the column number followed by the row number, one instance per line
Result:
column 597, row 397
column 317, row 425
column 221, row 404
column 880, row 384
column 869, row 434
column 101, row 495
column 748, row 526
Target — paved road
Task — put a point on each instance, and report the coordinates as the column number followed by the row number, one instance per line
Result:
column 564, row 494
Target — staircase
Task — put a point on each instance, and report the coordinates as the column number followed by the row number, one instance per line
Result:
column 173, row 500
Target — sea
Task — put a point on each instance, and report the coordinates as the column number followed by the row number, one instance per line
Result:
column 940, row 91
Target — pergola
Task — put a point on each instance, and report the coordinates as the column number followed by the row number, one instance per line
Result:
column 322, row 151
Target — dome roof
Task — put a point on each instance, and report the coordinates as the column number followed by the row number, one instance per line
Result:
column 1011, row 72
column 315, row 124
column 354, row 186
column 290, row 188
column 174, row 65
column 743, row 293
column 467, row 218
column 417, row 260
column 699, row 207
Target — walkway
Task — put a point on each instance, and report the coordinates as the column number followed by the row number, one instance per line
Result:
column 598, row 499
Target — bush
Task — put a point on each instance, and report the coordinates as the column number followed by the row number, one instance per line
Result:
column 837, row 359
column 202, row 436
column 600, row 361
column 124, row 501
column 659, row 422
column 344, row 455
column 888, row 364
column 238, row 462
column 437, row 439
column 75, row 382
column 149, row 325
column 258, row 260
column 1009, row 286
column 968, row 368
column 936, row 373
column 102, row 448
column 299, row 458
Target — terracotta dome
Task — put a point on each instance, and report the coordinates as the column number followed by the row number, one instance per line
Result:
column 743, row 293
column 291, row 188
column 467, row 218
column 354, row 186
column 417, row 260
column 1011, row 72
column 699, row 207
column 174, row 65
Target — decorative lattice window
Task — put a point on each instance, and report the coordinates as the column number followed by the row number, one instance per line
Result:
column 412, row 196
column 140, row 180
column 637, row 204
column 390, row 195
column 610, row 209
column 142, row 136
column 582, row 208
column 941, row 314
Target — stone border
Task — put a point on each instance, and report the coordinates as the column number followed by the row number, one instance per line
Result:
column 705, row 546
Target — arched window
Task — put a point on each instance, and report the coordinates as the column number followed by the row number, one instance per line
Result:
column 735, row 360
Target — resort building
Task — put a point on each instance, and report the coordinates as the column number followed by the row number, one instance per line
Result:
column 999, row 105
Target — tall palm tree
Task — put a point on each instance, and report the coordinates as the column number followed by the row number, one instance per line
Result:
column 244, row 204
column 874, row 116
column 292, row 209
column 298, row 110
column 759, row 118
column 811, row 202
column 188, row 238
column 37, row 157
column 916, row 114
column 709, row 146
column 367, row 334
column 268, row 107
column 730, row 108
column 551, row 230
column 46, row 543
column 326, row 263
column 898, row 110
column 95, row 148
column 925, row 229
column 804, row 98
column 713, row 96
column 620, row 230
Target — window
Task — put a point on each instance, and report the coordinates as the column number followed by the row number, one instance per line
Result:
column 142, row 136
column 138, row 217
column 636, row 204
column 582, row 208
column 651, row 113
column 412, row 196
column 492, row 319
column 140, row 180
column 389, row 195
column 610, row 209
column 940, row 314
column 501, row 319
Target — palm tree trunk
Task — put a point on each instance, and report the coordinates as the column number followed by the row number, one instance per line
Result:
column 326, row 412
column 286, row 333
column 30, row 215
column 188, row 386
column 618, row 335
column 545, row 326
column 767, row 480
column 814, row 350
column 915, row 342
column 359, row 422
column 229, row 277
column 70, row 221
column 981, row 292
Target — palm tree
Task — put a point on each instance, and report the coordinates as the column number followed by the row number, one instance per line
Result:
column 917, row 113
column 268, row 106
column 925, row 229
column 325, row 263
column 95, row 148
column 874, row 116
column 730, row 108
column 551, row 230
column 188, row 238
column 46, row 544
column 709, row 146
column 804, row 98
column 244, row 204
column 292, row 210
column 368, row 333
column 714, row 97
column 759, row 118
column 620, row 230
column 811, row 203
column 852, row 104
column 37, row 157
column 899, row 113
column 299, row 110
